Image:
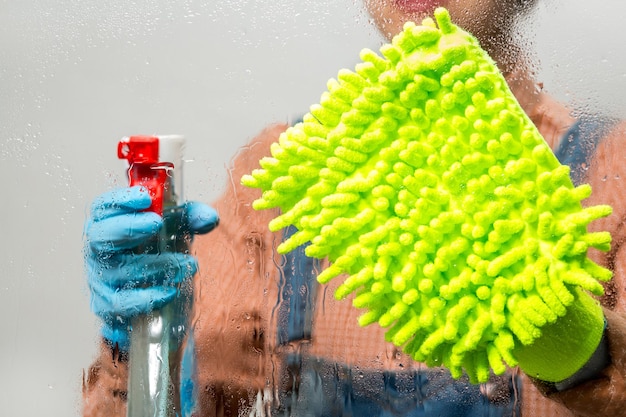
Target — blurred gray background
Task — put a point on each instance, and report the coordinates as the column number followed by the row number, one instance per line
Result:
column 76, row 76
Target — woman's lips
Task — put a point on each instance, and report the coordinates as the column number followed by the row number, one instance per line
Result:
column 418, row 6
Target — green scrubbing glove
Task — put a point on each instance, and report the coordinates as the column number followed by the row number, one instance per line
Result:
column 420, row 177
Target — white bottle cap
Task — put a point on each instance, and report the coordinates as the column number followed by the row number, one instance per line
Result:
column 171, row 149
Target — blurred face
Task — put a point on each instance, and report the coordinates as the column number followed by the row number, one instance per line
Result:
column 482, row 18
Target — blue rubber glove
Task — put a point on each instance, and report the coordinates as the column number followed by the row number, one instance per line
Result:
column 124, row 284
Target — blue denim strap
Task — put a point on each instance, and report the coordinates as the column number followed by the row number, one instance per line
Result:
column 188, row 378
column 580, row 142
column 298, row 288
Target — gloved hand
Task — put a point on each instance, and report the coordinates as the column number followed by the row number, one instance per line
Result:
column 575, row 342
column 124, row 284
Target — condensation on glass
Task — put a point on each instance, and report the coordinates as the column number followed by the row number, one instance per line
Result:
column 76, row 76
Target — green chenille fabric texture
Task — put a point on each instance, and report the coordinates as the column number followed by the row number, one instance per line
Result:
column 439, row 204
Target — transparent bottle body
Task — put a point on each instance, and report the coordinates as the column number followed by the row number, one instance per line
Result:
column 157, row 338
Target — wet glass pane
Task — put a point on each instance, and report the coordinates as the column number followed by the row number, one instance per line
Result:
column 76, row 77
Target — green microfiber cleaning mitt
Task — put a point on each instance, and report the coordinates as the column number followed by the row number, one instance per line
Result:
column 420, row 177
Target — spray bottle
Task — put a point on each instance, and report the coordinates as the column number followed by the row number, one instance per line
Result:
column 155, row 162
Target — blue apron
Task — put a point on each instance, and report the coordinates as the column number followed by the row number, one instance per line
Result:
column 322, row 388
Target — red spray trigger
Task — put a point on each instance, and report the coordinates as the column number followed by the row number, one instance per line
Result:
column 142, row 154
